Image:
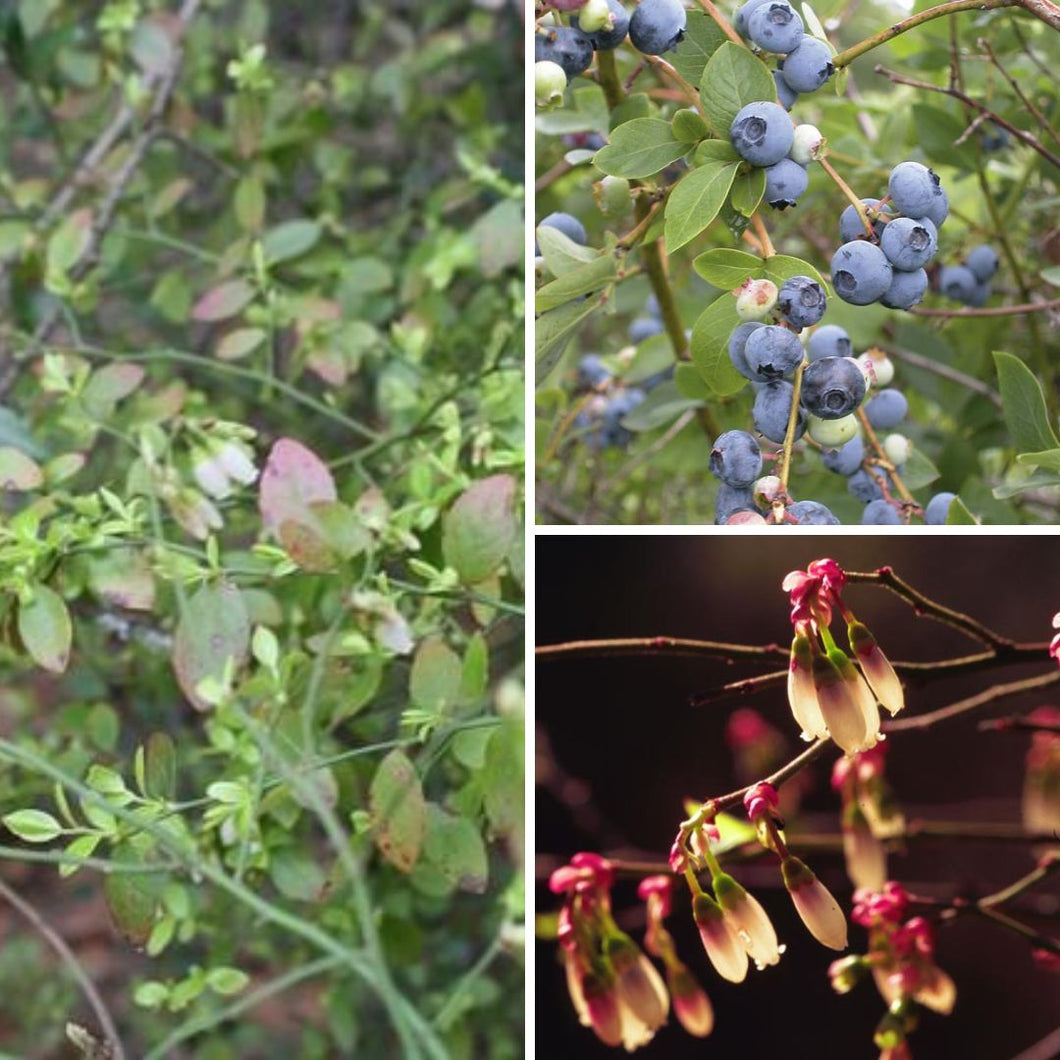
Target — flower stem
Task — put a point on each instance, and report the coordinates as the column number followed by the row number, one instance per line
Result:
column 763, row 236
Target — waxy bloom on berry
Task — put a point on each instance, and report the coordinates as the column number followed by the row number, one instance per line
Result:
column 724, row 948
column 875, row 666
column 814, row 903
column 748, row 920
column 802, row 692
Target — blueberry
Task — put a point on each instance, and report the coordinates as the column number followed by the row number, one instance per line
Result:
column 730, row 500
column 995, row 140
column 906, row 290
column 912, row 188
column 657, row 26
column 802, row 301
column 979, row 295
column 772, row 409
column 565, row 46
column 772, row 352
column 623, row 403
column 658, row 378
column 643, row 328
column 880, row 513
column 832, row 387
column 887, row 409
column 736, row 459
column 737, row 342
column 850, row 226
column 939, row 209
column 864, row 486
column 607, row 39
column 983, row 262
column 908, row 244
column 762, row 133
column 775, row 27
column 651, row 307
column 957, row 282
column 785, row 93
column 570, row 226
column 786, row 181
column 808, row 66
column 811, row 513
column 860, row 272
column 847, row 459
column 938, row 509
column 744, row 12
column 592, row 372
column 829, row 340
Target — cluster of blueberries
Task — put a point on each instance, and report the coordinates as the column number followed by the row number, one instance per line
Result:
column 763, row 135
column 775, row 26
column 969, row 283
column 888, row 264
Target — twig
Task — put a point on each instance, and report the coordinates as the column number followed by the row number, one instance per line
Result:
column 657, row 446
column 67, row 956
column 657, row 646
column 1043, row 121
column 722, row 21
column 786, row 772
column 946, row 372
column 992, row 311
column 881, row 456
column 1018, row 723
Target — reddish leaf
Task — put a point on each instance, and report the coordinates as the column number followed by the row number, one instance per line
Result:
column 18, row 471
column 293, row 478
column 480, row 528
column 224, row 301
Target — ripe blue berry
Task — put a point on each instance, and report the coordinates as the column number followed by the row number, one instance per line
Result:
column 762, row 133
column 957, row 282
column 786, row 181
column 912, row 188
column 983, row 262
column 811, row 513
column 623, row 403
column 808, row 66
column 745, row 11
column 736, row 459
column 863, row 485
column 829, row 340
column 592, row 372
column 938, row 509
column 832, row 387
column 785, row 93
column 608, row 39
column 737, row 342
column 847, row 459
column 730, row 500
column 908, row 244
column 642, row 328
column 939, row 209
column 850, row 226
column 657, row 26
column 772, row 409
column 887, row 409
column 802, row 301
column 565, row 46
column 880, row 513
column 979, row 295
column 570, row 226
column 906, row 290
column 775, row 27
column 772, row 352
column 860, row 272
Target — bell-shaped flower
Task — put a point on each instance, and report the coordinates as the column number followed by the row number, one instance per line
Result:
column 847, row 706
column 866, row 860
column 876, row 667
column 748, row 919
column 724, row 949
column 601, row 1009
column 237, row 461
column 802, row 693
column 640, row 989
column 691, row 1004
column 936, row 989
column 814, row 903
column 209, row 473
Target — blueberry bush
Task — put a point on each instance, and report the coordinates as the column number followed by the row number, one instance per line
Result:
column 261, row 549
column 826, row 228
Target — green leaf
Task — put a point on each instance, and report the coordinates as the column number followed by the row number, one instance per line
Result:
column 474, row 670
column 937, row 133
column 710, row 347
column 1042, row 480
column 454, row 847
column 959, row 515
column 240, row 342
column 226, row 980
column 45, row 629
column 1048, row 458
column 918, row 470
column 132, row 904
column 639, row 148
column 398, row 811
column 715, row 151
column 690, row 383
column 297, row 875
column 663, row 405
column 703, row 36
column 289, row 240
column 107, row 386
column 213, row 629
column 248, row 201
column 783, row 267
column 561, row 253
column 747, row 191
column 1051, row 275
column 160, row 766
column 223, row 301
column 69, row 241
column 34, row 826
column 83, row 846
column 18, row 471
column 696, row 201
column 1023, row 406
column 434, row 682
column 727, row 268
column 586, row 279
column 478, row 530
column 732, row 79
column 502, row 778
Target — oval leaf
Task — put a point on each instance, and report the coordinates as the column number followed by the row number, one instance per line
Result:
column 454, row 847
column 34, row 826
column 733, row 78
column 18, row 471
column 398, row 811
column 695, row 202
column 434, row 683
column 214, row 628
column 478, row 530
column 293, row 478
column 44, row 626
column 224, row 301
column 640, row 148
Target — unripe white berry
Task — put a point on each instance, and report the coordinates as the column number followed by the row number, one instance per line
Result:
column 898, row 448
column 550, row 82
column 806, row 145
column 594, row 15
column 832, row 433
column 756, row 299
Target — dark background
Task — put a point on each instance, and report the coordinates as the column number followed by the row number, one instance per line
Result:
column 619, row 747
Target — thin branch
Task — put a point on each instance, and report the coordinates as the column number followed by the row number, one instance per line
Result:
column 658, row 646
column 1042, row 120
column 657, row 446
column 946, row 372
column 991, row 311
column 67, row 956
column 786, row 772
column 1018, row 723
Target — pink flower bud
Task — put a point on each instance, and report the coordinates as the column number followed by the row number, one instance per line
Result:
column 659, row 888
column 875, row 666
column 724, row 949
column 802, row 692
column 691, row 1004
column 814, row 903
column 760, row 800
column 748, row 920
